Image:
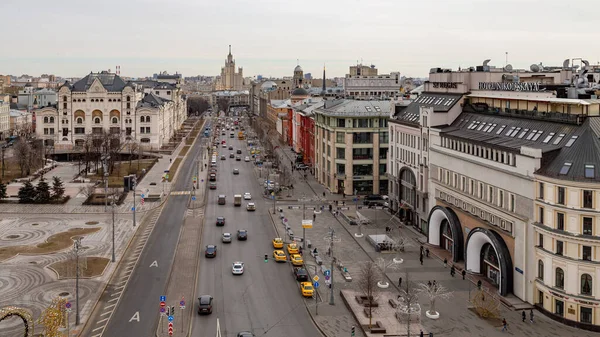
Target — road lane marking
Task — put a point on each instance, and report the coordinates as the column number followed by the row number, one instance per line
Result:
column 114, row 299
column 98, row 328
column 106, row 313
column 98, row 335
column 119, row 288
column 154, row 264
column 135, row 317
column 109, row 306
column 116, row 294
column 102, row 320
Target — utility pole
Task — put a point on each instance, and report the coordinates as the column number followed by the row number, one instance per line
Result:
column 76, row 248
column 331, row 299
column 304, row 218
column 133, row 184
column 3, row 148
column 112, row 204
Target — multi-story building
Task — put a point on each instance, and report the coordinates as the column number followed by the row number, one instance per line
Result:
column 230, row 79
column 31, row 98
column 21, row 123
column 4, row 116
column 364, row 83
column 351, row 145
column 103, row 103
column 233, row 98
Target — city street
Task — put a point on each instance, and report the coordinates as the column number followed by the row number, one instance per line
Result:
column 265, row 299
column 136, row 310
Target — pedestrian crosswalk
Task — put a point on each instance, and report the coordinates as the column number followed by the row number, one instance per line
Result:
column 181, row 192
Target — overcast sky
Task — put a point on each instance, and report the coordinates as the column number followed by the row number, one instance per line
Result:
column 72, row 38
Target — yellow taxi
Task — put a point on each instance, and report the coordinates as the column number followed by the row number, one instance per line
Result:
column 307, row 289
column 292, row 248
column 279, row 256
column 297, row 260
column 252, row 151
column 278, row 243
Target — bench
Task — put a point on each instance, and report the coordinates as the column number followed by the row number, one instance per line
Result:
column 378, row 328
column 393, row 303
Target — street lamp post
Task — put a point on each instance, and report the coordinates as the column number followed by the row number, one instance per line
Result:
column 133, row 186
column 105, row 190
column 112, row 204
column 331, row 299
column 3, row 148
column 76, row 248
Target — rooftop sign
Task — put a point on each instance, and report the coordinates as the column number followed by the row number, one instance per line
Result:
column 445, row 85
column 509, row 86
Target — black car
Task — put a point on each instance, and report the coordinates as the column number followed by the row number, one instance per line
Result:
column 213, row 186
column 211, row 251
column 231, row 147
column 238, row 158
column 205, row 304
column 238, row 151
column 301, row 275
column 220, row 221
column 242, row 234
column 231, row 155
column 245, row 334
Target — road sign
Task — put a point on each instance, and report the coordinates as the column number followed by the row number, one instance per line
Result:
column 133, row 208
column 327, row 272
column 316, row 278
column 142, row 196
column 307, row 224
column 142, row 201
column 327, row 277
column 355, row 199
column 163, row 298
column 171, row 318
column 182, row 302
column 162, row 310
column 68, row 305
column 201, row 180
column 182, row 307
column 316, row 284
column 162, row 304
column 285, row 220
column 170, row 328
column 193, row 197
column 166, row 171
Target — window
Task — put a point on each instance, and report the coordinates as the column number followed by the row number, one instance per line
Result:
column 500, row 130
column 463, row 183
column 64, row 98
column 64, row 105
column 480, row 190
column 560, row 221
column 490, row 196
column 585, row 315
column 511, row 203
column 509, row 131
column 142, row 129
column 51, row 119
column 79, row 120
column 541, row 215
column 541, row 190
column 341, row 123
column 531, row 134
column 559, row 247
column 471, row 186
column 97, row 120
column 588, row 199
column 548, row 138
column 541, row 240
column 565, row 168
column 587, row 226
column 45, row 119
column 558, row 139
column 559, row 307
column 454, row 180
column 586, row 253
column 559, row 282
column 339, row 137
column 523, row 133
column 501, row 198
column 128, row 98
column 586, row 284
column 115, row 120
column 341, row 168
column 79, row 131
column 447, row 177
column 128, row 105
column 540, row 270
column 537, row 135
column 383, row 138
column 340, row 152
column 560, row 195
column 589, row 171
column 571, row 141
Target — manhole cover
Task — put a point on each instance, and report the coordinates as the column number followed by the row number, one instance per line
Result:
column 63, row 294
column 13, row 236
column 35, row 224
column 91, row 223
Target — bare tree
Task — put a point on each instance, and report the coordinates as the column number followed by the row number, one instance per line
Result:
column 87, row 190
column 23, row 152
column 111, row 147
column 367, row 284
column 97, row 143
column 223, row 104
column 197, row 105
column 88, row 153
column 400, row 242
column 133, row 148
column 486, row 306
column 433, row 292
column 409, row 301
column 383, row 265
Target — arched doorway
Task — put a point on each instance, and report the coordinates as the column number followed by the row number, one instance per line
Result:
column 445, row 231
column 488, row 255
column 407, row 194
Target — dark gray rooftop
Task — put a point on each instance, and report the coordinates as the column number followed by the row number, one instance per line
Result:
column 151, row 100
column 440, row 103
column 111, row 82
column 560, row 143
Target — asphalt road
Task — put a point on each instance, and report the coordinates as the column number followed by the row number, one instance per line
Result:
column 265, row 299
column 146, row 283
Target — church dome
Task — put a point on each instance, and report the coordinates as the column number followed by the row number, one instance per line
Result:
column 300, row 92
column 268, row 86
column 298, row 68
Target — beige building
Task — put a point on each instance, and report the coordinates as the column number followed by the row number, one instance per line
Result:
column 230, row 79
column 351, row 146
column 365, row 83
column 4, row 116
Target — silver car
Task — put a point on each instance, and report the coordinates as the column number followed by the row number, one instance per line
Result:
column 237, row 268
column 226, row 238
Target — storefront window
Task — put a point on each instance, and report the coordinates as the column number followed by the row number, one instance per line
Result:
column 383, row 187
column 585, row 315
column 559, row 308
column 363, row 186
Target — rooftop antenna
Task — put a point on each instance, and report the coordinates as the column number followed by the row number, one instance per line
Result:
column 297, row 61
column 506, row 58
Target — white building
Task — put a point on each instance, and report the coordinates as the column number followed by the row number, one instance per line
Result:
column 104, row 103
column 365, row 83
column 31, row 98
column 4, row 117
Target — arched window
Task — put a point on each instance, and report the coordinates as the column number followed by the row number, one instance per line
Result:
column 97, row 120
column 115, row 120
column 147, row 119
column 101, row 99
column 79, row 120
column 540, row 270
column 142, row 119
column 560, row 279
column 64, row 98
column 45, row 119
column 51, row 119
column 83, row 100
column 65, row 139
column 128, row 98
column 586, row 284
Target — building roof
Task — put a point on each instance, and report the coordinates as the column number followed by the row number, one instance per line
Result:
column 231, row 93
column 163, row 85
column 168, row 77
column 298, row 68
column 560, row 143
column 280, row 103
column 440, row 102
column 151, row 100
column 347, row 107
column 111, row 82
column 328, row 90
column 300, row 92
column 525, row 96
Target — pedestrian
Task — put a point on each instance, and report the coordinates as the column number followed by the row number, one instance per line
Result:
column 421, row 249
column 421, row 258
column 171, row 160
column 314, row 217
column 479, row 284
column 531, row 315
column 399, row 282
column 452, row 270
column 464, row 273
column 343, row 202
column 445, row 262
column 434, row 284
column 421, row 334
column 323, row 194
column 429, row 284
column 504, row 325
column 523, row 316
column 427, row 252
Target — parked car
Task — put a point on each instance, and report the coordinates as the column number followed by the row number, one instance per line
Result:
column 205, row 304
column 300, row 274
column 307, row 289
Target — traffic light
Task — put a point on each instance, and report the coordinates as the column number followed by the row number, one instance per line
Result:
column 266, row 258
column 172, row 311
column 353, row 329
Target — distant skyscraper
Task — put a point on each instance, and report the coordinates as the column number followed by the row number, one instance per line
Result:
column 230, row 80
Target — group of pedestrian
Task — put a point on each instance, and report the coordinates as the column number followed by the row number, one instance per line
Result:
column 422, row 253
column 432, row 284
column 523, row 317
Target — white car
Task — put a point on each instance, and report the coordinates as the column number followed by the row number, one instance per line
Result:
column 224, row 146
column 247, row 159
column 226, row 237
column 237, row 268
column 251, row 207
column 247, row 196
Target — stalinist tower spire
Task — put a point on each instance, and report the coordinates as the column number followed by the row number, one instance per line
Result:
column 229, row 49
column 323, row 90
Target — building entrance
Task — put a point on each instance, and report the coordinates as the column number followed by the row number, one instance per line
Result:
column 447, row 242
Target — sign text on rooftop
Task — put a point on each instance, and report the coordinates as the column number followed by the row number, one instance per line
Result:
column 509, row 86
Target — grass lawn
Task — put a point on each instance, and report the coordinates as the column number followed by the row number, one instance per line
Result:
column 11, row 170
column 174, row 168
column 122, row 169
column 184, row 150
column 94, row 267
column 55, row 243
